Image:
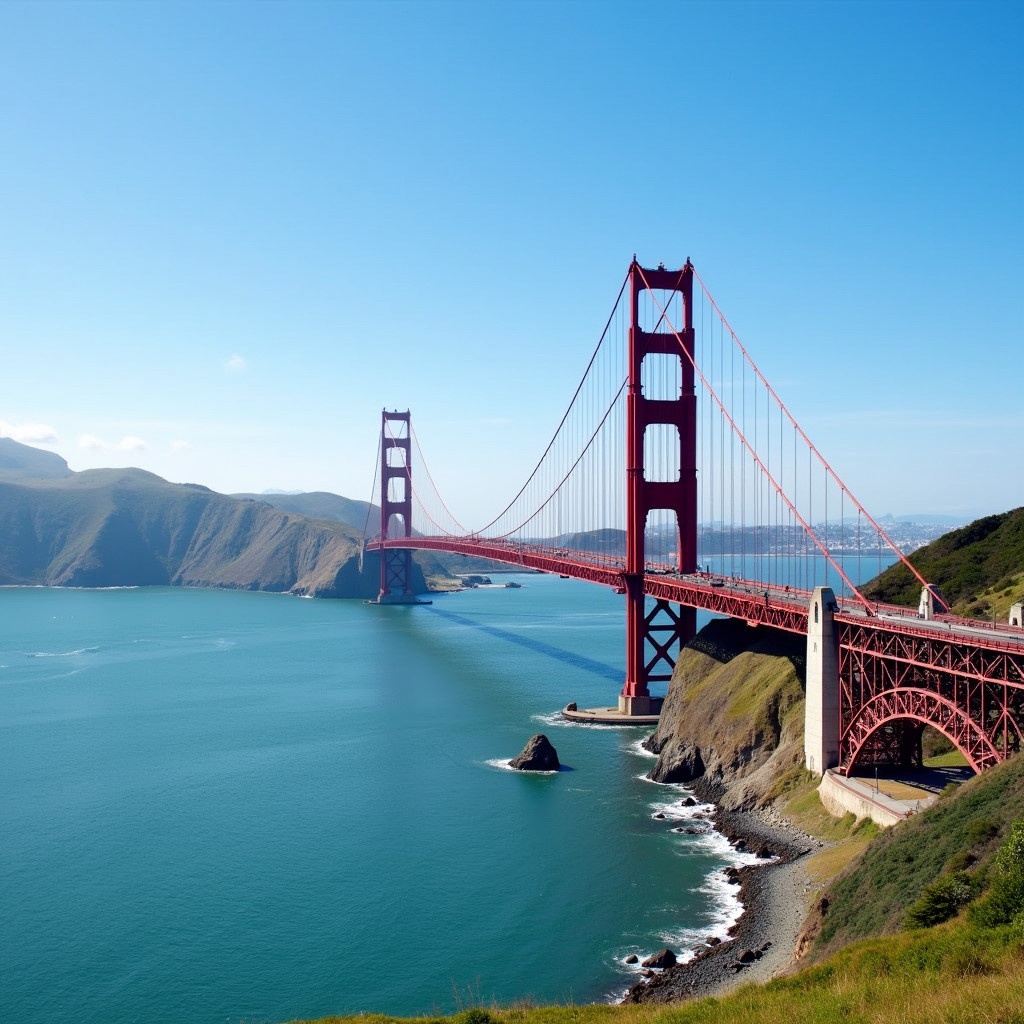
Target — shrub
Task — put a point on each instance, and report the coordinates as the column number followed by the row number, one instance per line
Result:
column 981, row 830
column 1005, row 897
column 474, row 1015
column 941, row 900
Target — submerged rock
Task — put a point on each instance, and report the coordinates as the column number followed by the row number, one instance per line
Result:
column 538, row 756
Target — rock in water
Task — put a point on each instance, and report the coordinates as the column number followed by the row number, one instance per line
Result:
column 663, row 959
column 538, row 756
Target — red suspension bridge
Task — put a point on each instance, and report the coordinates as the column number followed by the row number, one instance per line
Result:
column 679, row 478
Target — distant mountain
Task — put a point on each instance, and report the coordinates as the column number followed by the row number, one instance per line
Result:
column 127, row 527
column 323, row 505
column 19, row 460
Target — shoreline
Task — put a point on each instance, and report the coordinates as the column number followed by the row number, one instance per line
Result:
column 775, row 898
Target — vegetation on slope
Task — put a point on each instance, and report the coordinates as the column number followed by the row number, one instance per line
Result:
column 979, row 568
column 733, row 716
column 951, row 844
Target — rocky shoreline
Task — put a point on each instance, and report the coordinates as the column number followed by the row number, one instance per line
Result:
column 762, row 943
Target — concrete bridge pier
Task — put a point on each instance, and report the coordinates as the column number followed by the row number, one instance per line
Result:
column 821, row 715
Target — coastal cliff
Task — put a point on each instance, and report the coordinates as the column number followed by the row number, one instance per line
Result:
column 732, row 722
column 127, row 527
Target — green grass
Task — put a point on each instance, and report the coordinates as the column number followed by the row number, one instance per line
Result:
column 961, row 831
column 950, row 759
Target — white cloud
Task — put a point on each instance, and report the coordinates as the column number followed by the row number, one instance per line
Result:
column 128, row 443
column 29, row 433
column 236, row 364
column 179, row 445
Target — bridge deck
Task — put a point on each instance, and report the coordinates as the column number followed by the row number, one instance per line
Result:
column 759, row 604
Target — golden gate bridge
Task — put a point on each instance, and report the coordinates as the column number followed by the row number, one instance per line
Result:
column 675, row 452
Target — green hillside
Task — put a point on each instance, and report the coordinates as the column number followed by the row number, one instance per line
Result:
column 958, row 835
column 127, row 527
column 979, row 568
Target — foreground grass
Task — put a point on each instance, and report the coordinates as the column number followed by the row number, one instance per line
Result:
column 952, row 974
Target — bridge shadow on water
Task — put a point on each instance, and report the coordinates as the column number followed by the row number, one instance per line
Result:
column 579, row 661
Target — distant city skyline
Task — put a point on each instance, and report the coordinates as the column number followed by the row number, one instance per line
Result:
column 233, row 233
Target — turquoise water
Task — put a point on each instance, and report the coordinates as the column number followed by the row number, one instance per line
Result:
column 224, row 806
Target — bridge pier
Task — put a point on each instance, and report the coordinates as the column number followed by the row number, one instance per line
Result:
column 821, row 707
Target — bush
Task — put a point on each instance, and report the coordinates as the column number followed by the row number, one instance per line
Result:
column 981, row 830
column 941, row 900
column 474, row 1015
column 1005, row 897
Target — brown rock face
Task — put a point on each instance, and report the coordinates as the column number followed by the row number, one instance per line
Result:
column 732, row 721
column 538, row 756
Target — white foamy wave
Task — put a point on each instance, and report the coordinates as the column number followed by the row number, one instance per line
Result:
column 63, row 654
column 505, row 764
column 556, row 720
column 637, row 747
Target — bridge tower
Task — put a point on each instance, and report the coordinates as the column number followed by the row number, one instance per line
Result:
column 653, row 638
column 395, row 500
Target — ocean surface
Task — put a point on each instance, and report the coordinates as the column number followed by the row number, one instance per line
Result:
column 227, row 806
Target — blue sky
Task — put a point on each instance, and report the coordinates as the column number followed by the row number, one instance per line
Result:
column 230, row 233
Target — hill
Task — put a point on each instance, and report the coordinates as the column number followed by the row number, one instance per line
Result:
column 979, row 568
column 19, row 461
column 732, row 722
column 953, row 841
column 324, row 505
column 127, row 527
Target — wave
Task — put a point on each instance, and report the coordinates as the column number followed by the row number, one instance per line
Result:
column 637, row 747
column 63, row 654
column 556, row 720
column 505, row 764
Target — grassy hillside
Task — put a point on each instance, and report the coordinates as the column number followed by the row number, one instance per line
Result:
column 733, row 716
column 979, row 568
column 960, row 833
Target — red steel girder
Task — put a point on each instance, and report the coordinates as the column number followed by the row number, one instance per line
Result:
column 921, row 706
column 955, row 652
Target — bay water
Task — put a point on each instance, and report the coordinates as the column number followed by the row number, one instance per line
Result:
column 226, row 806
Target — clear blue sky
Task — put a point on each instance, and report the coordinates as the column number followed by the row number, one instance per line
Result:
column 230, row 233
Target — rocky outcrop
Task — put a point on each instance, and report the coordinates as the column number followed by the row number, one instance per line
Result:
column 732, row 721
column 662, row 959
column 538, row 756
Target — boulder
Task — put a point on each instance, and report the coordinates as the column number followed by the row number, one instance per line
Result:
column 748, row 956
column 538, row 756
column 663, row 958
column 632, row 958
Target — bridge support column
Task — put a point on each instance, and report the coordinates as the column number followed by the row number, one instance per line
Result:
column 821, row 715
column 654, row 637
column 395, row 507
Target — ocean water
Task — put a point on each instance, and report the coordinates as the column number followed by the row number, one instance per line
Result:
column 226, row 806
